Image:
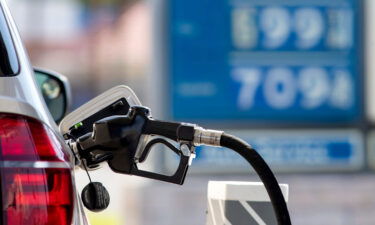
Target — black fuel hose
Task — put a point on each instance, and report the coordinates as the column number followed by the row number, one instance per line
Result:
column 264, row 172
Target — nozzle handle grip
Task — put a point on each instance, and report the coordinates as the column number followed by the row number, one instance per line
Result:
column 177, row 178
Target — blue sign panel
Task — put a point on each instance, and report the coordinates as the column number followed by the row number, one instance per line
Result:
column 290, row 151
column 273, row 60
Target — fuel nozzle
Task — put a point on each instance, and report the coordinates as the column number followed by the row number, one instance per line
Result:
column 121, row 141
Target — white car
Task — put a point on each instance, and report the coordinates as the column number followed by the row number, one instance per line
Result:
column 36, row 166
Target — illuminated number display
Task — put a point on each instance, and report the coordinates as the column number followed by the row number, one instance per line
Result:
column 297, row 61
column 292, row 28
column 283, row 87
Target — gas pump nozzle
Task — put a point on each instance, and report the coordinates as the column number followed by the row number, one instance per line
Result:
column 116, row 139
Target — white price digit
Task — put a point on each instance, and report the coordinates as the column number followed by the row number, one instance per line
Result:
column 309, row 27
column 244, row 32
column 275, row 22
column 342, row 95
column 250, row 80
column 340, row 28
column 280, row 88
column 314, row 87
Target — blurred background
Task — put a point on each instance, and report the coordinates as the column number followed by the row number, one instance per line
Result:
column 294, row 78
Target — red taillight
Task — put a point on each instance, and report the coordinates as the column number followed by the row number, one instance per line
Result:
column 36, row 181
column 26, row 139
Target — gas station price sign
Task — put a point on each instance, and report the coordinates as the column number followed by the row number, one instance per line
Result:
column 265, row 60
